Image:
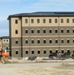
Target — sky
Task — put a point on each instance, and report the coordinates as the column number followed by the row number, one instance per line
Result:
column 9, row 7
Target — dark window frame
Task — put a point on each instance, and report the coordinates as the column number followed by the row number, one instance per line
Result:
column 26, row 20
column 68, row 41
column 26, row 41
column 68, row 31
column 56, row 31
column 26, row 31
column 16, row 52
column 62, row 31
column 26, row 52
column 38, row 20
column 38, row 52
column 56, row 21
column 32, row 20
column 38, row 31
column 38, row 41
column 44, row 52
column 50, row 31
column 32, row 52
column 50, row 41
column 16, row 42
column 67, row 20
column 50, row 20
column 44, row 31
column 56, row 41
column 16, row 21
column 44, row 20
column 16, row 31
column 62, row 41
column 61, row 20
column 32, row 31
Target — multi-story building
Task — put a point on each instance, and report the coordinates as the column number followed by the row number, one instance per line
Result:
column 4, row 42
column 41, row 33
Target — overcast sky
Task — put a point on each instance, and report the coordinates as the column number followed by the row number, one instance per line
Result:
column 8, row 7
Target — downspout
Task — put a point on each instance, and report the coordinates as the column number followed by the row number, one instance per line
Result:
column 59, row 32
column 21, row 39
column 29, row 36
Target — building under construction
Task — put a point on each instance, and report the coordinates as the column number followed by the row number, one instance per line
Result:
column 41, row 33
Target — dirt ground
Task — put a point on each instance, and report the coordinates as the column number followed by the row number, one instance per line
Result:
column 37, row 68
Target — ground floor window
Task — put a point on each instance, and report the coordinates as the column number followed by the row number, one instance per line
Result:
column 16, row 51
column 26, row 52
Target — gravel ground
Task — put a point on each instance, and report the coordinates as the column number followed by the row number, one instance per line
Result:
column 37, row 69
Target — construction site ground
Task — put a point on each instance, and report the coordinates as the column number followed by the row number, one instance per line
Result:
column 37, row 67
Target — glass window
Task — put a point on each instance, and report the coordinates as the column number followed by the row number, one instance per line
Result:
column 26, row 41
column 73, row 41
column 32, row 41
column 67, row 20
column 32, row 31
column 61, row 20
column 73, row 31
column 73, row 51
column 44, row 52
column 62, row 41
column 32, row 52
column 38, row 52
column 44, row 31
column 7, row 40
column 26, row 31
column 50, row 51
column 38, row 41
column 50, row 31
column 50, row 20
column 26, row 52
column 62, row 51
column 55, row 20
column 67, row 31
column 32, row 20
column 16, row 21
column 73, row 20
column 38, row 31
column 56, row 41
column 56, row 51
column 16, row 52
column 56, row 31
column 68, row 41
column 16, row 42
column 50, row 41
column 44, row 20
column 38, row 20
column 16, row 31
column 62, row 31
column 26, row 20
column 44, row 41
